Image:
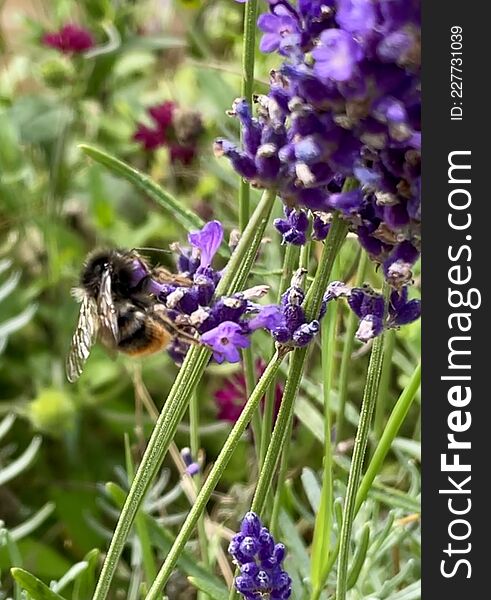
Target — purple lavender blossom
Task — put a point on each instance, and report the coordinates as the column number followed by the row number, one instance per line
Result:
column 294, row 227
column 369, row 307
column 226, row 340
column 192, row 466
column 344, row 102
column 207, row 241
column 260, row 559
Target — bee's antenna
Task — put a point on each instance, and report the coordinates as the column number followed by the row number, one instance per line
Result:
column 149, row 249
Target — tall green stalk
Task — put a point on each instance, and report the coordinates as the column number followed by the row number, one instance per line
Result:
column 285, row 453
column 394, row 423
column 380, row 407
column 312, row 305
column 321, row 543
column 248, row 60
column 289, row 262
column 175, row 406
column 214, row 476
column 348, row 345
column 361, row 440
column 194, row 444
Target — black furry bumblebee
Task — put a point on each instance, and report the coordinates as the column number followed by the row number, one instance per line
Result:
column 117, row 308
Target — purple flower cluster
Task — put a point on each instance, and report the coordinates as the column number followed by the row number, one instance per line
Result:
column 369, row 307
column 224, row 323
column 70, row 39
column 294, row 329
column 260, row 561
column 171, row 127
column 345, row 102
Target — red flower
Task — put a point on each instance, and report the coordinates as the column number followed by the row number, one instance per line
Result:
column 69, row 39
column 149, row 138
column 162, row 114
column 182, row 154
column 232, row 396
column 168, row 131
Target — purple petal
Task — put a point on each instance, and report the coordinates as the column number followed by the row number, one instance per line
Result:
column 270, row 317
column 268, row 23
column 408, row 313
column 337, row 55
column 207, row 240
column 270, row 42
column 346, row 201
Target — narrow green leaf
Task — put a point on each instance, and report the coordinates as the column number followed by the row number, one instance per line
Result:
column 22, row 462
column 295, row 544
column 85, row 583
column 359, row 557
column 71, row 575
column 312, row 488
column 28, row 526
column 187, row 218
column 6, row 423
column 214, row 592
column 34, row 586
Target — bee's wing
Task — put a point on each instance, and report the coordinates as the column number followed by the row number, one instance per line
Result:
column 83, row 339
column 105, row 306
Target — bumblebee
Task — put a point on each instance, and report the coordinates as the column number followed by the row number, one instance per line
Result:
column 123, row 315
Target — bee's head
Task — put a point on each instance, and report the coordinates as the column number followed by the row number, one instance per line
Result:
column 95, row 265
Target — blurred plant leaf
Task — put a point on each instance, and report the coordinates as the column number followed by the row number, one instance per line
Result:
column 28, row 526
column 22, row 462
column 359, row 557
column 13, row 324
column 71, row 575
column 85, row 583
column 152, row 42
column 5, row 424
column 184, row 216
column 312, row 488
column 212, row 591
column 34, row 586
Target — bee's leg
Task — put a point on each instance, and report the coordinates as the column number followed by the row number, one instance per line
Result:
column 177, row 331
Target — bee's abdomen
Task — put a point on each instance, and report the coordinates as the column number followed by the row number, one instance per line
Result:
column 141, row 334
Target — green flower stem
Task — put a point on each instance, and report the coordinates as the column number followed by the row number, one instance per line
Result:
column 361, row 440
column 349, row 340
column 209, row 485
column 323, row 522
column 380, row 407
column 174, row 408
column 394, row 423
column 312, row 305
column 248, row 60
column 195, row 447
column 250, row 381
column 148, row 560
column 289, row 262
column 280, row 480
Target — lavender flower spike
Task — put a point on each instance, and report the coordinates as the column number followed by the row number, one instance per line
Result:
column 259, row 558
